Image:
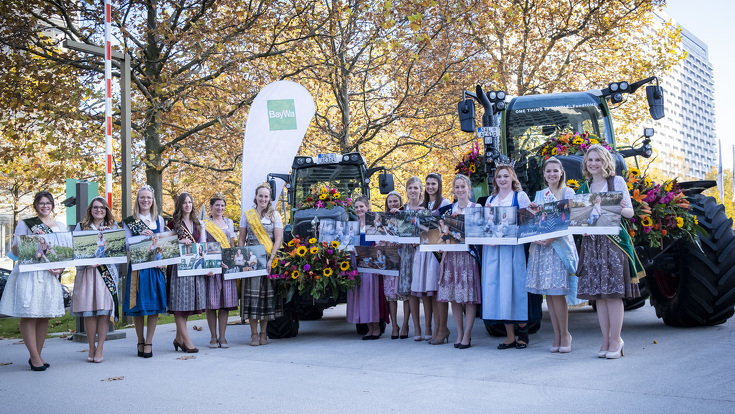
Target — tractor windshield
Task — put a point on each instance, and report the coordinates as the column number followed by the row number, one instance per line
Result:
column 345, row 177
column 533, row 120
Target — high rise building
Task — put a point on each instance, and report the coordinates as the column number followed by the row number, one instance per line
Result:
column 685, row 138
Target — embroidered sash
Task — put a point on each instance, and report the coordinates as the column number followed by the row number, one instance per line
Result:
column 217, row 233
column 35, row 223
column 136, row 227
column 622, row 239
column 257, row 228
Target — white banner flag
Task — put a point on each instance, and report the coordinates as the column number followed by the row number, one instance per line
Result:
column 276, row 124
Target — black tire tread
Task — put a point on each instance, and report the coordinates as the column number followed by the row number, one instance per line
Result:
column 706, row 292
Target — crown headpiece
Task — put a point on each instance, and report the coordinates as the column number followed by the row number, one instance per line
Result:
column 146, row 187
column 504, row 161
column 218, row 196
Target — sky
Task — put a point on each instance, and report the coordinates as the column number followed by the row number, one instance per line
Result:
column 711, row 22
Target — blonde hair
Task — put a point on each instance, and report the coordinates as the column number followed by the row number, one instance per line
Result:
column 516, row 185
column 415, row 180
column 269, row 211
column 464, row 178
column 608, row 165
column 154, row 208
column 393, row 193
column 364, row 200
column 562, row 179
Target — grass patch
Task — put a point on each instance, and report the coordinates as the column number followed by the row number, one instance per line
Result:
column 9, row 327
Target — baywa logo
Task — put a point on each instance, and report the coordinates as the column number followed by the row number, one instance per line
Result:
column 281, row 114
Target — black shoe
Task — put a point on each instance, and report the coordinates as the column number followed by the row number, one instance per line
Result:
column 522, row 337
column 394, row 337
column 140, row 353
column 503, row 345
column 457, row 345
column 463, row 346
column 367, row 337
column 148, row 354
column 46, row 365
column 403, row 336
column 521, row 346
column 41, row 368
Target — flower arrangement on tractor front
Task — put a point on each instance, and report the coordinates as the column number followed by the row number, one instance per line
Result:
column 473, row 166
column 570, row 144
column 323, row 195
column 311, row 268
column 661, row 210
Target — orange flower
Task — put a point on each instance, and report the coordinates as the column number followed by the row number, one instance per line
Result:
column 637, row 196
column 664, row 232
column 631, row 232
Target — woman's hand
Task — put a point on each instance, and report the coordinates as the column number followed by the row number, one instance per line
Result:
column 103, row 228
column 56, row 272
column 39, row 231
column 186, row 242
column 147, row 232
column 394, row 210
column 224, row 266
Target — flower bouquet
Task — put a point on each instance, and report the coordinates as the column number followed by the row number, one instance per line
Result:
column 473, row 166
column 661, row 210
column 312, row 268
column 569, row 144
column 323, row 195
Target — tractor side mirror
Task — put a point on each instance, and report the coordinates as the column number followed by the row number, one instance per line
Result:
column 385, row 183
column 466, row 110
column 272, row 184
column 655, row 97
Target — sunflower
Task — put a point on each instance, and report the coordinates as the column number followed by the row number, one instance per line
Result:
column 635, row 171
column 327, row 272
column 669, row 185
column 344, row 265
column 314, row 250
column 312, row 240
column 291, row 243
column 337, row 195
column 274, row 264
column 301, row 251
column 472, row 168
column 695, row 220
column 324, row 191
column 322, row 196
column 594, row 141
column 295, row 274
column 630, row 186
column 573, row 184
column 334, row 244
column 647, row 182
column 646, row 221
column 680, row 222
column 577, row 141
column 554, row 151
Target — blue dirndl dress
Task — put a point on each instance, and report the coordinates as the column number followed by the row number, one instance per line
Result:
column 151, row 296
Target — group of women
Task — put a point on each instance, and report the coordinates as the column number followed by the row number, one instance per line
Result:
column 500, row 278
column 35, row 297
column 506, row 282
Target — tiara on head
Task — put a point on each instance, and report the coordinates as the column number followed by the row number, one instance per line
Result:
column 503, row 161
column 147, row 187
column 218, row 196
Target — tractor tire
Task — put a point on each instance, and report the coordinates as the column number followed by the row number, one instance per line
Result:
column 310, row 313
column 286, row 326
column 700, row 291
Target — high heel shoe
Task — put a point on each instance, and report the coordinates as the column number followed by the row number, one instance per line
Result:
column 602, row 354
column 264, row 338
column 98, row 360
column 140, row 350
column 554, row 349
column 254, row 340
column 150, row 354
column 463, row 346
column 418, row 338
column 193, row 350
column 34, row 368
column 617, row 354
column 441, row 340
column 176, row 345
column 566, row 349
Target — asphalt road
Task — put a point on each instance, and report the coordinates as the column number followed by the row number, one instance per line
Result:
column 328, row 369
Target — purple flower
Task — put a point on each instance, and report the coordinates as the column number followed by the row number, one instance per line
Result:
column 329, row 251
column 307, row 267
column 646, row 229
column 632, row 219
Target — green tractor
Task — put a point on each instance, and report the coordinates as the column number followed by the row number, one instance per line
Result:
column 349, row 174
column 690, row 284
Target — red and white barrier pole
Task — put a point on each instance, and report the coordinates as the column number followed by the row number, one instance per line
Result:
column 108, row 104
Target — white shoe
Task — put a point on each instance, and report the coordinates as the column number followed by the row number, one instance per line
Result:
column 618, row 354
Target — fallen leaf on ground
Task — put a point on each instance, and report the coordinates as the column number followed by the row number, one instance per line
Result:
column 84, row 350
column 5, row 363
column 655, row 342
column 114, row 379
column 187, row 357
column 58, row 322
column 19, row 342
column 198, row 328
column 62, row 336
column 130, row 325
